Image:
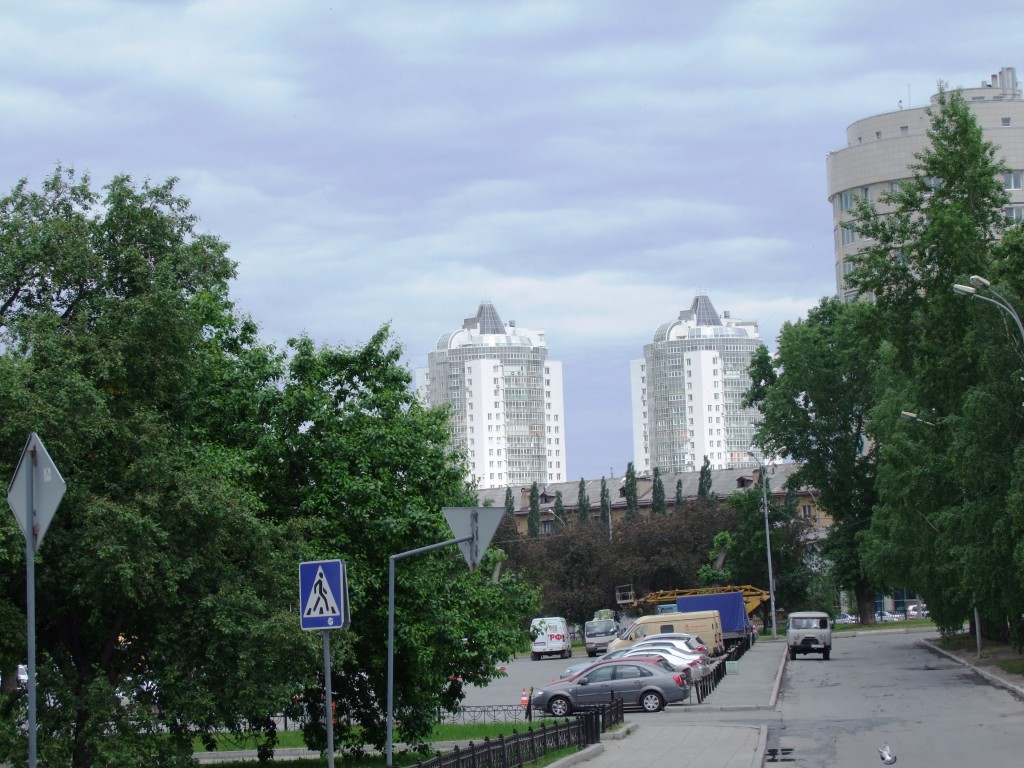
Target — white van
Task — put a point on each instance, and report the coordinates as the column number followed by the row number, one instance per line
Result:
column 550, row 637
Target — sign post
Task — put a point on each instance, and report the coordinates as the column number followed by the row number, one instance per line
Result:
column 34, row 495
column 474, row 527
column 323, row 605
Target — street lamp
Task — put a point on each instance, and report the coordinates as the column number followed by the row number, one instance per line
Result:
column 979, row 283
column 911, row 416
column 767, row 537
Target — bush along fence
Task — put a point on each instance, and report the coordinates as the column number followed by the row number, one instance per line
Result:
column 581, row 729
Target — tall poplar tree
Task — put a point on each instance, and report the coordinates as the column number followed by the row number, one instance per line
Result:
column 606, row 506
column 533, row 516
column 658, row 495
column 583, row 501
column 559, row 509
column 947, row 522
column 632, row 505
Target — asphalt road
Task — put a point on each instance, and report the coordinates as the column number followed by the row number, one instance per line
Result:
column 882, row 688
column 878, row 688
column 522, row 673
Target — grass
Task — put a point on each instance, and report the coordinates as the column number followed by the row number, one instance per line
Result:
column 882, row 625
column 965, row 641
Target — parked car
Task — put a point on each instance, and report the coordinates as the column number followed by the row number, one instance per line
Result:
column 694, row 667
column 917, row 611
column 679, row 645
column 643, row 683
column 692, row 641
column 691, row 667
column 692, row 659
column 887, row 616
column 847, row 618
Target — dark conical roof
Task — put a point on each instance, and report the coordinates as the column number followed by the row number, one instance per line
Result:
column 703, row 311
column 487, row 319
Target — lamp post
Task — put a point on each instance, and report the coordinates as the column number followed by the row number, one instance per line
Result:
column 979, row 283
column 767, row 538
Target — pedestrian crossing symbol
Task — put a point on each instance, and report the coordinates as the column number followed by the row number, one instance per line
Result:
column 323, row 595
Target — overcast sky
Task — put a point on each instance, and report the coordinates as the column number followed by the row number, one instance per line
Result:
column 588, row 166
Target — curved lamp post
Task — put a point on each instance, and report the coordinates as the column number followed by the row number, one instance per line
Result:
column 767, row 537
column 979, row 283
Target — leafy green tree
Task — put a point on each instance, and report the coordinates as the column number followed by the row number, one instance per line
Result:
column 202, row 467
column 559, row 509
column 715, row 571
column 814, row 396
column 606, row 506
column 678, row 505
column 945, row 524
column 747, row 554
column 373, row 469
column 160, row 577
column 632, row 505
column 533, row 517
column 658, row 495
column 704, row 481
column 583, row 501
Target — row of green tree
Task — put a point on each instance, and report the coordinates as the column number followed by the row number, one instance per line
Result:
column 583, row 561
column 905, row 409
column 202, row 466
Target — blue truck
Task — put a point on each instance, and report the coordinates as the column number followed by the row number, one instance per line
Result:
column 736, row 626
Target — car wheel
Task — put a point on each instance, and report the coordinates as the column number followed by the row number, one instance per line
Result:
column 591, row 654
column 652, row 702
column 535, row 656
column 567, row 654
column 559, row 706
column 792, row 654
column 825, row 653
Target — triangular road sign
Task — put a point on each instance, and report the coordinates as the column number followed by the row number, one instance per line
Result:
column 321, row 600
column 480, row 523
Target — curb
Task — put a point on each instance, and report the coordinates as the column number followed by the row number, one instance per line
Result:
column 762, row 747
column 1017, row 690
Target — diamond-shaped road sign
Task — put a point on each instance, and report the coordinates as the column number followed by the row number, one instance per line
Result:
column 36, row 474
column 478, row 522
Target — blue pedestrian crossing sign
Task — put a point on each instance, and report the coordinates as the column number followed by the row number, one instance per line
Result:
column 323, row 595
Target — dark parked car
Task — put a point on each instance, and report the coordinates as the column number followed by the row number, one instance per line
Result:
column 647, row 684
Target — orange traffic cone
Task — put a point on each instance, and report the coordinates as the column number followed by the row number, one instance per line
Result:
column 524, row 701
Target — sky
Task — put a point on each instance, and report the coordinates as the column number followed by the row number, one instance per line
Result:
column 588, row 166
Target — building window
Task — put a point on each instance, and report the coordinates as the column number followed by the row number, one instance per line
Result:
column 1012, row 180
column 1014, row 213
column 1005, row 122
column 904, row 130
column 849, row 235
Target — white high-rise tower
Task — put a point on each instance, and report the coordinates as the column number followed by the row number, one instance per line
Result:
column 508, row 408
column 687, row 393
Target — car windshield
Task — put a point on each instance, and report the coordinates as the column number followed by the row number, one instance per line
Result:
column 808, row 623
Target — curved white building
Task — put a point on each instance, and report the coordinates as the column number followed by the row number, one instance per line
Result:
column 508, row 408
column 687, row 393
column 880, row 149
